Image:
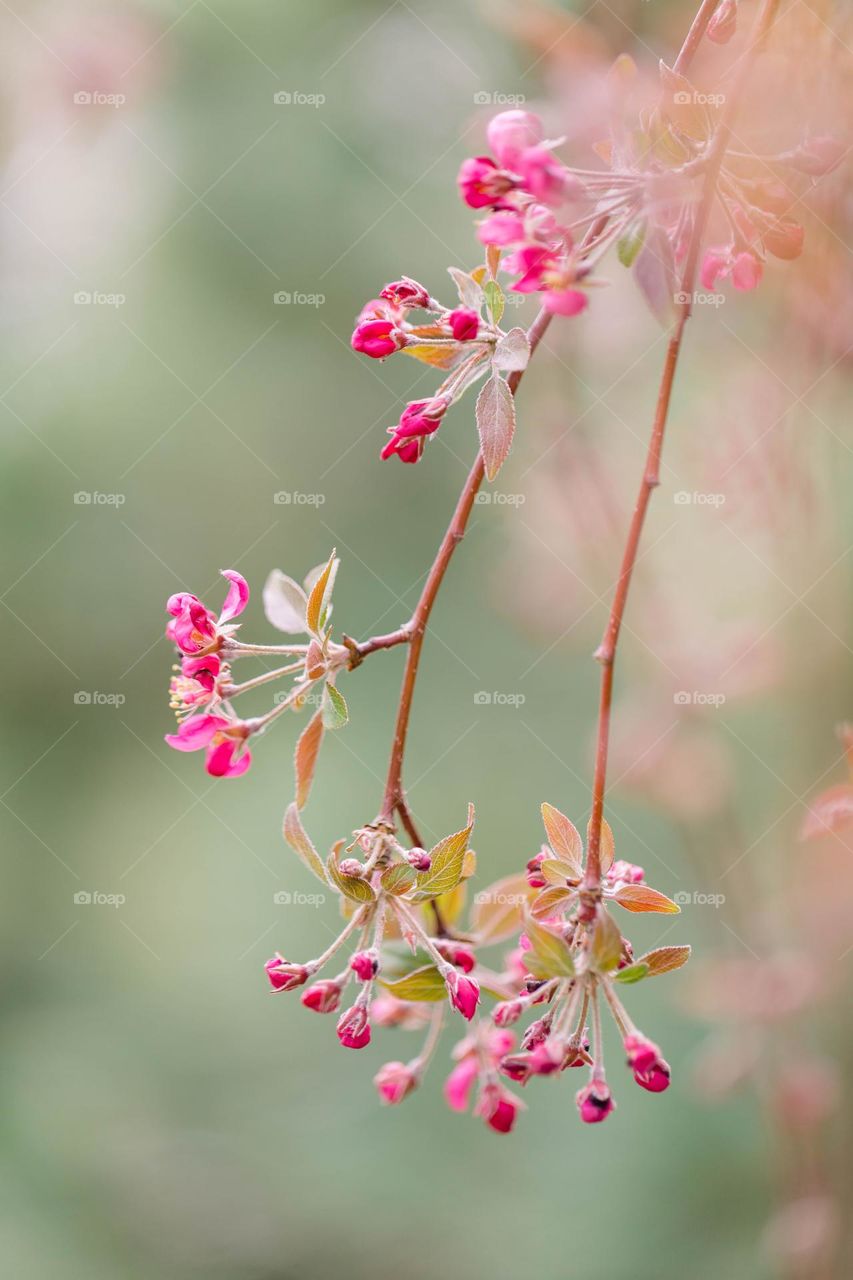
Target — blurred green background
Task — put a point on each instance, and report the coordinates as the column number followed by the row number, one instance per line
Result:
column 161, row 1115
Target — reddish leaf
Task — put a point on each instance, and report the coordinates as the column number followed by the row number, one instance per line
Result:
column 496, row 423
column 305, row 757
column 639, row 897
column 564, row 838
column 665, row 959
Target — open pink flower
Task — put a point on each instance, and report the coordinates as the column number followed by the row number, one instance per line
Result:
column 223, row 740
column 196, row 684
column 512, row 132
column 194, row 628
column 482, row 183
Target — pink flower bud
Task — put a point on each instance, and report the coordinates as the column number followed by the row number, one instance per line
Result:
column 463, row 992
column 353, row 1027
column 323, row 996
column 284, row 976
column 464, row 324
column 407, row 293
column 419, row 859
column 395, row 1081
column 377, row 338
column 482, row 183
column 565, row 302
column 746, row 272
column 625, row 871
column 785, row 240
column 497, row 1107
column 458, row 1085
column 535, row 878
column 819, row 156
column 350, row 867
column 594, row 1102
column 512, row 132
column 536, row 1032
column 461, row 957
column 365, row 965
column 507, row 1012
column 650, row 1069
column 714, row 264
column 419, row 419
column 723, row 23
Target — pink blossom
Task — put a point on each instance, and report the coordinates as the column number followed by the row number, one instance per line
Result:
column 406, row 293
column 502, row 228
column 419, row 859
column 746, row 272
column 544, row 176
column 497, row 1107
column 644, row 1058
column 594, row 1102
column 197, row 682
column 353, row 1027
column 365, row 965
column 714, row 264
column 458, row 1085
column 377, row 338
column 464, row 324
column 419, row 419
column 532, row 261
column 395, row 1081
column 565, row 302
column 323, row 996
column 535, row 878
column 482, row 183
column 223, row 740
column 463, row 992
column 194, row 627
column 723, row 22
column 511, row 132
column 284, row 976
column 507, row 1012
column 627, row 872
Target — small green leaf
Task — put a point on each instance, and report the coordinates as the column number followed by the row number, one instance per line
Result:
column 299, row 840
column 421, row 984
column 631, row 244
column 495, row 301
column 350, row 886
column 448, row 863
column 606, row 950
column 549, row 956
column 631, row 973
column 335, row 713
column 398, row 878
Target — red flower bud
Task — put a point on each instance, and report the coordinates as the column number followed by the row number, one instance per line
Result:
column 463, row 992
column 650, row 1069
column 482, row 183
column 497, row 1107
column 284, row 976
column 365, row 965
column 407, row 293
column 395, row 1081
column 323, row 996
column 594, row 1102
column 419, row 859
column 464, row 324
column 353, row 1029
column 506, row 1013
column 377, row 338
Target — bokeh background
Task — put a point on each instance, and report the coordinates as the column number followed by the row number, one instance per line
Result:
column 162, row 1116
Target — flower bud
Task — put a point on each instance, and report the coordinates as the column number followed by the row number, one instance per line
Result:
column 651, row 1071
column 353, row 1029
column 497, row 1107
column 407, row 293
column 464, row 324
column 714, row 264
column 377, row 338
column 482, row 183
column 365, row 965
column 419, row 859
column 625, row 871
column 785, row 240
column 507, row 1012
column 351, row 867
column 512, row 132
column 746, row 271
column 395, row 1081
column 723, row 22
column 323, row 996
column 463, row 992
column 461, row 957
column 535, row 878
column 284, row 976
column 594, row 1102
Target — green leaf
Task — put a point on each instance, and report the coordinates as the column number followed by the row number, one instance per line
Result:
column 448, row 861
column 549, row 956
column 298, row 839
column 606, row 950
column 495, row 301
column 631, row 244
column 421, row 984
column 398, row 878
column 320, row 592
column 495, row 412
column 350, row 886
column 665, row 959
column 631, row 973
column 335, row 713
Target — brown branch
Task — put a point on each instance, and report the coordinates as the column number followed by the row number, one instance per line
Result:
column 606, row 652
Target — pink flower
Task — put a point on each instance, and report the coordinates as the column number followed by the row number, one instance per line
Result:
column 419, row 419
column 594, row 1102
column 565, row 302
column 714, row 264
column 650, row 1069
column 746, row 272
column 353, row 1027
column 507, row 1012
column 497, row 1107
column 464, row 324
column 377, row 338
column 544, row 176
column 458, row 1085
column 284, row 976
column 193, row 627
column 395, row 1081
column 223, row 740
column 626, row 872
column 323, row 996
column 532, row 261
column 512, row 132
column 502, row 229
column 482, row 183
column 535, row 878
column 463, row 992
column 723, row 23
column 419, row 859
column 365, row 965
column 407, row 293
column 197, row 682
